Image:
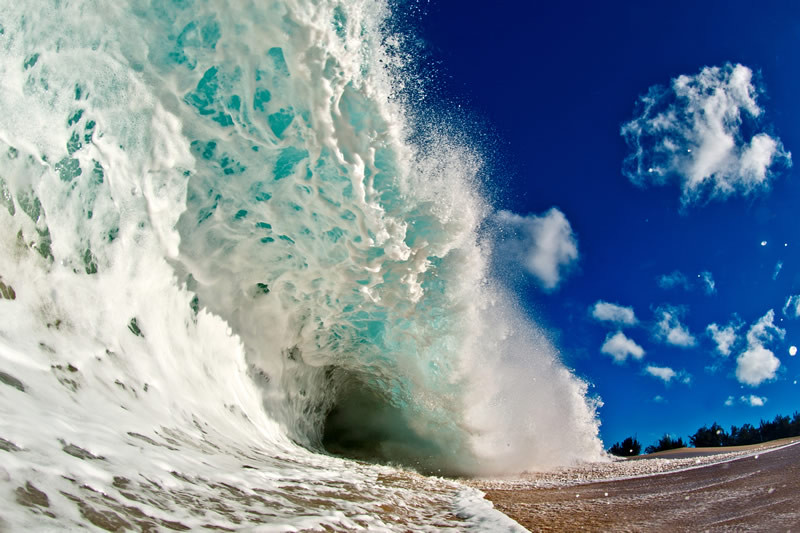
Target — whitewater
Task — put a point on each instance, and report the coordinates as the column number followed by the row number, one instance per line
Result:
column 246, row 280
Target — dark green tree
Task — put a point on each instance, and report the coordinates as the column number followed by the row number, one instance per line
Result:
column 710, row 437
column 627, row 448
column 744, row 435
column 665, row 443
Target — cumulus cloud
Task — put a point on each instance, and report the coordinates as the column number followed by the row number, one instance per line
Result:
column 709, row 285
column 619, row 347
column 608, row 312
column 724, row 337
column 753, row 401
column 666, row 374
column 694, row 132
column 670, row 330
column 672, row 280
column 792, row 306
column 758, row 363
column 545, row 245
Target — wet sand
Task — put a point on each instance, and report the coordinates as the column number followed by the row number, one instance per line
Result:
column 754, row 489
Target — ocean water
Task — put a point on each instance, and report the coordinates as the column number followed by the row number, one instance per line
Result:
column 244, row 283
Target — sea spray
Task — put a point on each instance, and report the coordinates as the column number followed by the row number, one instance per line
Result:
column 228, row 262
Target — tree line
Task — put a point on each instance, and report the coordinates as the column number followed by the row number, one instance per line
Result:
column 715, row 435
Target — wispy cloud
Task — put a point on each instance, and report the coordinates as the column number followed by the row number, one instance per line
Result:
column 692, row 133
column 709, row 285
column 666, row 374
column 758, row 363
column 792, row 306
column 620, row 347
column 724, row 337
column 673, row 280
column 669, row 328
column 678, row 280
column 617, row 314
column 545, row 245
column 778, row 268
column 753, row 401
column 729, row 401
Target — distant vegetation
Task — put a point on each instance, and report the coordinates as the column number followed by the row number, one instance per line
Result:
column 781, row 427
column 627, row 448
column 714, row 436
column 665, row 443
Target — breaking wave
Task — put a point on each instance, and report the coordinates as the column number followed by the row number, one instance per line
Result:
column 228, row 258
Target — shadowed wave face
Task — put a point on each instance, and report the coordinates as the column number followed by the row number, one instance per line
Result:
column 213, row 214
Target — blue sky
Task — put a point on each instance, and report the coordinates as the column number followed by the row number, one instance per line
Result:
column 679, row 210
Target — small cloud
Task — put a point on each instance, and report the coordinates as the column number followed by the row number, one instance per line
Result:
column 670, row 330
column 724, row 337
column 692, row 133
column 763, row 243
column 753, row 401
column 758, row 364
column 620, row 347
column 778, row 268
column 545, row 245
column 792, row 350
column 792, row 306
column 608, row 312
column 672, row 280
column 709, row 285
column 729, row 401
column 661, row 372
column 667, row 374
column 659, row 399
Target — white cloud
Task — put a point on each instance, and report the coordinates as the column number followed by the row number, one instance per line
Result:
column 709, row 285
column 670, row 330
column 674, row 279
column 793, row 350
column 724, row 337
column 661, row 372
column 764, row 329
column 758, row 364
column 659, row 399
column 620, row 347
column 667, row 374
column 617, row 314
column 691, row 132
column 545, row 245
column 792, row 306
column 753, row 401
column 729, row 401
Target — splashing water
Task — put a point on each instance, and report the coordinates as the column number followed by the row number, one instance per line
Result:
column 223, row 263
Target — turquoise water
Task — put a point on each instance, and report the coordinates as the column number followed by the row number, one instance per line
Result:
column 214, row 214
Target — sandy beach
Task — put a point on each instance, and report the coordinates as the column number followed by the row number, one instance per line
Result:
column 747, row 488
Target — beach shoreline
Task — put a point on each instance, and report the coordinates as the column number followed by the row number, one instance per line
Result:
column 710, row 489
